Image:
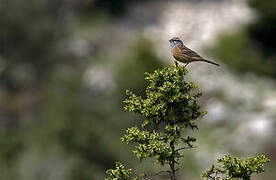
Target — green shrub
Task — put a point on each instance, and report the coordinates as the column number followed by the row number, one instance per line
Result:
column 169, row 109
column 233, row 167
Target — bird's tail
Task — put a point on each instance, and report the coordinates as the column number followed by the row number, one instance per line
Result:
column 210, row 62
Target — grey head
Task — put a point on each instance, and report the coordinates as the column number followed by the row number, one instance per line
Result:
column 175, row 41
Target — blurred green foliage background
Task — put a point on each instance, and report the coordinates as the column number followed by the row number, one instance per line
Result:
column 63, row 76
column 253, row 47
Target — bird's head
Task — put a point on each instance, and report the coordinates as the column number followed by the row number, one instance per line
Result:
column 175, row 41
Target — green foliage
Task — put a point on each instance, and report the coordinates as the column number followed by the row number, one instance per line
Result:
column 31, row 29
column 150, row 144
column 11, row 146
column 119, row 173
column 232, row 48
column 170, row 100
column 252, row 49
column 112, row 7
column 46, row 106
column 265, row 8
column 169, row 107
column 262, row 31
column 233, row 167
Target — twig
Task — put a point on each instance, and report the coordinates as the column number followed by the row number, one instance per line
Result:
column 185, row 148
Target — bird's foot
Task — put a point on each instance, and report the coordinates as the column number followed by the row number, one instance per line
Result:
column 185, row 65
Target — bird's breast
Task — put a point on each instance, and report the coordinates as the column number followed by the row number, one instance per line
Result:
column 178, row 55
column 176, row 50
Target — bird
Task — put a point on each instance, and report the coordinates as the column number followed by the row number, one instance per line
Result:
column 185, row 55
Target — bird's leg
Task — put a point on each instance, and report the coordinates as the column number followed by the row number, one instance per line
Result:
column 185, row 65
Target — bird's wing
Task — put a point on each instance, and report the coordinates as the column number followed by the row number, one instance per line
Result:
column 179, row 55
column 190, row 52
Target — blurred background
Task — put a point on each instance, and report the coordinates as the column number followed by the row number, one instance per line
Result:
column 65, row 66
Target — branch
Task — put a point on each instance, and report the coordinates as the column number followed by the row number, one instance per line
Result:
column 185, row 148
